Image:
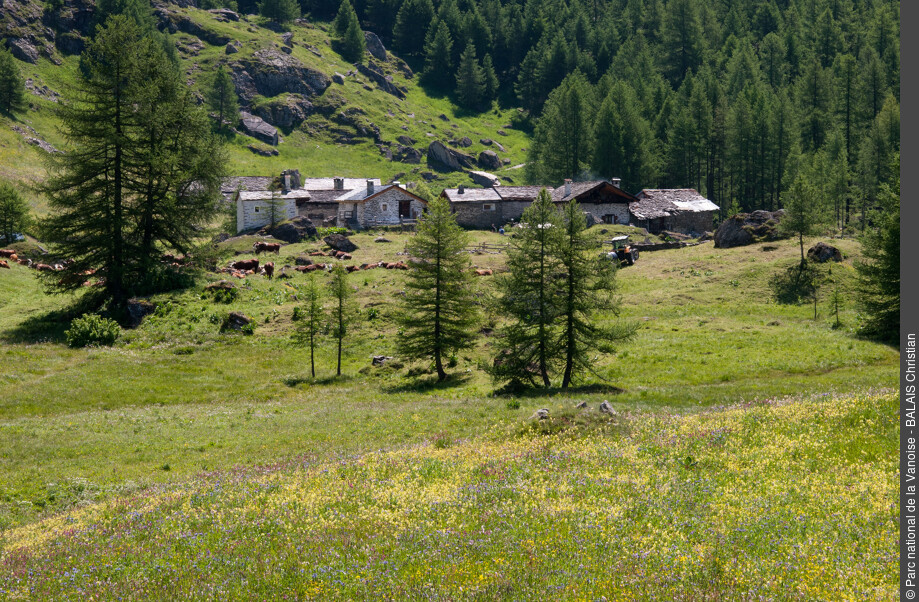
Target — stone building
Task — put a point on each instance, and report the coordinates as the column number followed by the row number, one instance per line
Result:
column 375, row 205
column 602, row 199
column 484, row 208
column 322, row 205
column 681, row 210
column 255, row 209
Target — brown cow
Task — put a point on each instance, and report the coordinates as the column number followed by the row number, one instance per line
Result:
column 4, row 264
column 14, row 257
column 43, row 267
column 352, row 268
column 245, row 265
column 7, row 253
column 268, row 247
column 483, row 272
column 317, row 254
column 26, row 262
column 269, row 270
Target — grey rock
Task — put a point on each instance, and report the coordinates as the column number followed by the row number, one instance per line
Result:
column 379, row 360
column 581, row 405
column 606, row 408
column 186, row 25
column 384, row 82
column 443, row 117
column 822, row 252
column 264, row 152
column 408, row 154
column 338, row 78
column 303, row 260
column 381, row 239
column 486, row 141
column 464, row 142
column 406, row 140
column 748, row 228
column 286, row 113
column 484, row 179
column 225, row 14
column 447, row 157
column 269, row 72
column 138, row 309
column 540, row 414
column 340, row 242
column 231, row 48
column 489, row 159
column 23, row 50
column 375, row 46
column 502, row 133
column 294, row 231
column 237, row 320
column 259, row 129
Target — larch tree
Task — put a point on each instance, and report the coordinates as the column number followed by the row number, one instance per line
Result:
column 470, row 79
column 14, row 212
column 531, row 294
column 562, row 140
column 222, row 98
column 12, row 87
column 439, row 315
column 309, row 330
column 438, row 61
column 588, row 292
column 805, row 211
column 342, row 308
column 279, row 11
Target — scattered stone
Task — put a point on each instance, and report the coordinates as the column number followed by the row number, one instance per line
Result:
column 484, row 179
column 381, row 239
column 287, row 112
column 375, row 46
column 486, row 141
column 606, row 408
column 581, row 405
column 489, row 159
column 263, row 151
column 287, row 39
column 465, row 142
column 429, row 176
column 338, row 78
column 303, row 260
column 406, row 140
column 295, row 230
column 23, row 50
column 237, row 320
column 340, row 242
column 231, row 48
column 748, row 228
column 385, row 82
column 379, row 360
column 138, row 309
column 502, row 133
column 408, row 154
column 224, row 14
column 822, row 252
column 220, row 285
column 447, row 157
column 540, row 414
column 258, row 128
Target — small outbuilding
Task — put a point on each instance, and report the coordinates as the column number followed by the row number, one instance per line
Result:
column 255, row 209
column 602, row 199
column 681, row 210
column 375, row 205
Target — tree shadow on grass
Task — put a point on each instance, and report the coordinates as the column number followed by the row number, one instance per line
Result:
column 795, row 284
column 427, row 384
column 296, row 381
column 518, row 390
column 51, row 326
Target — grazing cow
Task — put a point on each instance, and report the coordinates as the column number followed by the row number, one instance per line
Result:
column 317, row 254
column 43, row 267
column 268, row 247
column 352, row 268
column 4, row 264
column 269, row 270
column 7, row 253
column 483, row 272
column 26, row 262
column 14, row 257
column 245, row 265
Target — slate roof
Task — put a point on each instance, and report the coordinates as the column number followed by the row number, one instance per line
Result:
column 520, row 193
column 266, row 195
column 654, row 203
column 361, row 194
column 471, row 195
column 230, row 185
column 580, row 188
column 329, row 183
column 324, row 196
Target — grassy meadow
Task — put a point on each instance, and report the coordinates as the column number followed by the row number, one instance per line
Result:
column 752, row 457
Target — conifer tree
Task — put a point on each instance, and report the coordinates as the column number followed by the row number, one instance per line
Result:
column 343, row 19
column 588, row 289
column 353, row 45
column 222, row 98
column 438, row 52
column 309, row 330
column 12, row 88
column 412, row 23
column 439, row 315
column 562, row 140
column 139, row 11
column 530, row 298
column 491, row 80
column 622, row 140
column 14, row 212
column 342, row 310
column 805, row 211
column 279, row 11
column 470, row 79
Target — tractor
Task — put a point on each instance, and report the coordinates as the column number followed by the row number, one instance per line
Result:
column 623, row 251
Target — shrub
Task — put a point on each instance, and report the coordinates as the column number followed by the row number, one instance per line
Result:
column 323, row 232
column 92, row 330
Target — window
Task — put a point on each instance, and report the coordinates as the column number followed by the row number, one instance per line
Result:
column 384, row 207
column 257, row 208
column 487, row 207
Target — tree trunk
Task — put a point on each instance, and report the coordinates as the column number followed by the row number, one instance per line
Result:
column 312, row 353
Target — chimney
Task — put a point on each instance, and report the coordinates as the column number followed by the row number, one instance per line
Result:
column 616, row 182
column 369, row 187
column 396, row 183
column 339, row 183
column 567, row 186
column 462, row 189
column 295, row 181
column 285, row 180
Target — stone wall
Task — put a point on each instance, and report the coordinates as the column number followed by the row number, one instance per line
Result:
column 384, row 208
column 255, row 214
column 599, row 210
column 472, row 215
column 319, row 212
column 690, row 222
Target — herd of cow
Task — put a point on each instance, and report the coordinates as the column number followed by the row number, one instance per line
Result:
column 10, row 255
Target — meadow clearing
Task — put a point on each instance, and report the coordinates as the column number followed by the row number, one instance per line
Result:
column 753, row 455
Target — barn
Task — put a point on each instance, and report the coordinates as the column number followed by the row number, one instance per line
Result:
column 681, row 210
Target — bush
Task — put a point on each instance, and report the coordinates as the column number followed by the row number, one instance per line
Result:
column 92, row 330
column 323, row 232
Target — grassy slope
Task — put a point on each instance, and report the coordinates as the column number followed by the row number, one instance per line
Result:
column 311, row 148
column 176, row 397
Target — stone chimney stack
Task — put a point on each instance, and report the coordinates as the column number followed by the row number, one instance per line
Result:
column 462, row 189
column 285, row 181
column 616, row 182
column 369, row 187
column 339, row 183
column 567, row 186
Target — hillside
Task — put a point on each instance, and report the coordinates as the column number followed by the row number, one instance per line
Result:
column 349, row 129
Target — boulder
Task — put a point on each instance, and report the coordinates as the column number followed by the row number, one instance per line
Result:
column 381, row 239
column 379, row 360
column 185, row 24
column 288, row 112
column 447, row 157
column 484, row 179
column 259, row 129
column 269, row 72
column 295, row 230
column 338, row 78
column 464, row 142
column 220, row 285
column 590, row 219
column 303, row 260
column 408, row 154
column 822, row 252
column 748, row 228
column 138, row 309
column 384, row 82
column 340, row 242
column 266, row 151
column 236, row 321
column 406, row 140
column 231, row 48
column 606, row 408
column 375, row 46
column 224, row 14
column 23, row 50
column 540, row 414
column 489, row 159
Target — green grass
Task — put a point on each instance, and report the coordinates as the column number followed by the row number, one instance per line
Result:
column 176, row 385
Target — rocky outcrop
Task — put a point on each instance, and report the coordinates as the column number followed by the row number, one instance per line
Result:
column 340, row 242
column 374, row 46
column 384, row 82
column 406, row 140
column 489, row 159
column 224, row 14
column 822, row 252
column 407, row 154
column 259, row 129
column 748, row 228
column 23, row 49
column 269, row 72
column 448, row 158
column 287, row 112
column 464, row 142
column 174, row 22
column 294, row 231
column 484, row 179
